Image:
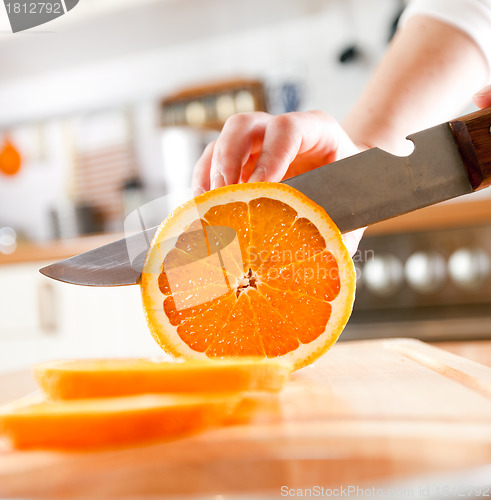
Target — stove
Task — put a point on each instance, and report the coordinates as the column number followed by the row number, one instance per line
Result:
column 431, row 285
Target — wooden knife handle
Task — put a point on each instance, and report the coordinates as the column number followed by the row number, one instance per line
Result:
column 472, row 134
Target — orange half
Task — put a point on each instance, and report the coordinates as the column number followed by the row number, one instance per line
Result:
column 256, row 270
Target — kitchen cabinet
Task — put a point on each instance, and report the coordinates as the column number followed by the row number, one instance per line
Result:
column 29, row 319
column 27, row 304
column 44, row 319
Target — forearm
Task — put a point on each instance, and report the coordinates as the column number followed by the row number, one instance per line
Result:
column 428, row 75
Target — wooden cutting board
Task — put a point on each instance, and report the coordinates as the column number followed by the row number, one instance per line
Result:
column 366, row 412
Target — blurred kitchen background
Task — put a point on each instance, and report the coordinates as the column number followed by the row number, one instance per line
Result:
column 109, row 106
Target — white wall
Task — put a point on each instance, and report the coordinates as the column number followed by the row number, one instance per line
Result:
column 303, row 42
column 137, row 57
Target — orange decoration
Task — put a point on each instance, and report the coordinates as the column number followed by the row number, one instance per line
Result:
column 10, row 159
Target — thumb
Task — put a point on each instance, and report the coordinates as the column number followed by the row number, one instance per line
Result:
column 483, row 98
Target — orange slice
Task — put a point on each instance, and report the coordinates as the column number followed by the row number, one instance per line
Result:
column 32, row 422
column 248, row 270
column 120, row 377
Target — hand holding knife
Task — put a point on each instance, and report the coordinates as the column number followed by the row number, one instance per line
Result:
column 449, row 160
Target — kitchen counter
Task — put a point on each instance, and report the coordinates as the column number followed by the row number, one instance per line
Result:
column 368, row 413
column 478, row 350
column 57, row 249
column 443, row 215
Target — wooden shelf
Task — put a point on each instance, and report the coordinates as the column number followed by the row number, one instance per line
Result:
column 206, row 96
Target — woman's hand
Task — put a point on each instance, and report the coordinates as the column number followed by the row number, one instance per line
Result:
column 262, row 147
column 483, row 98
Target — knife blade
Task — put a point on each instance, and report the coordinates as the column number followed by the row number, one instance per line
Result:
column 121, row 262
column 109, row 265
column 449, row 160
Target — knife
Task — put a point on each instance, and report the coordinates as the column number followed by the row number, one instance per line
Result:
column 449, row 160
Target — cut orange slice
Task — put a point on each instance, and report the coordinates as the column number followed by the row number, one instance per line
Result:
column 34, row 423
column 120, row 377
column 248, row 270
